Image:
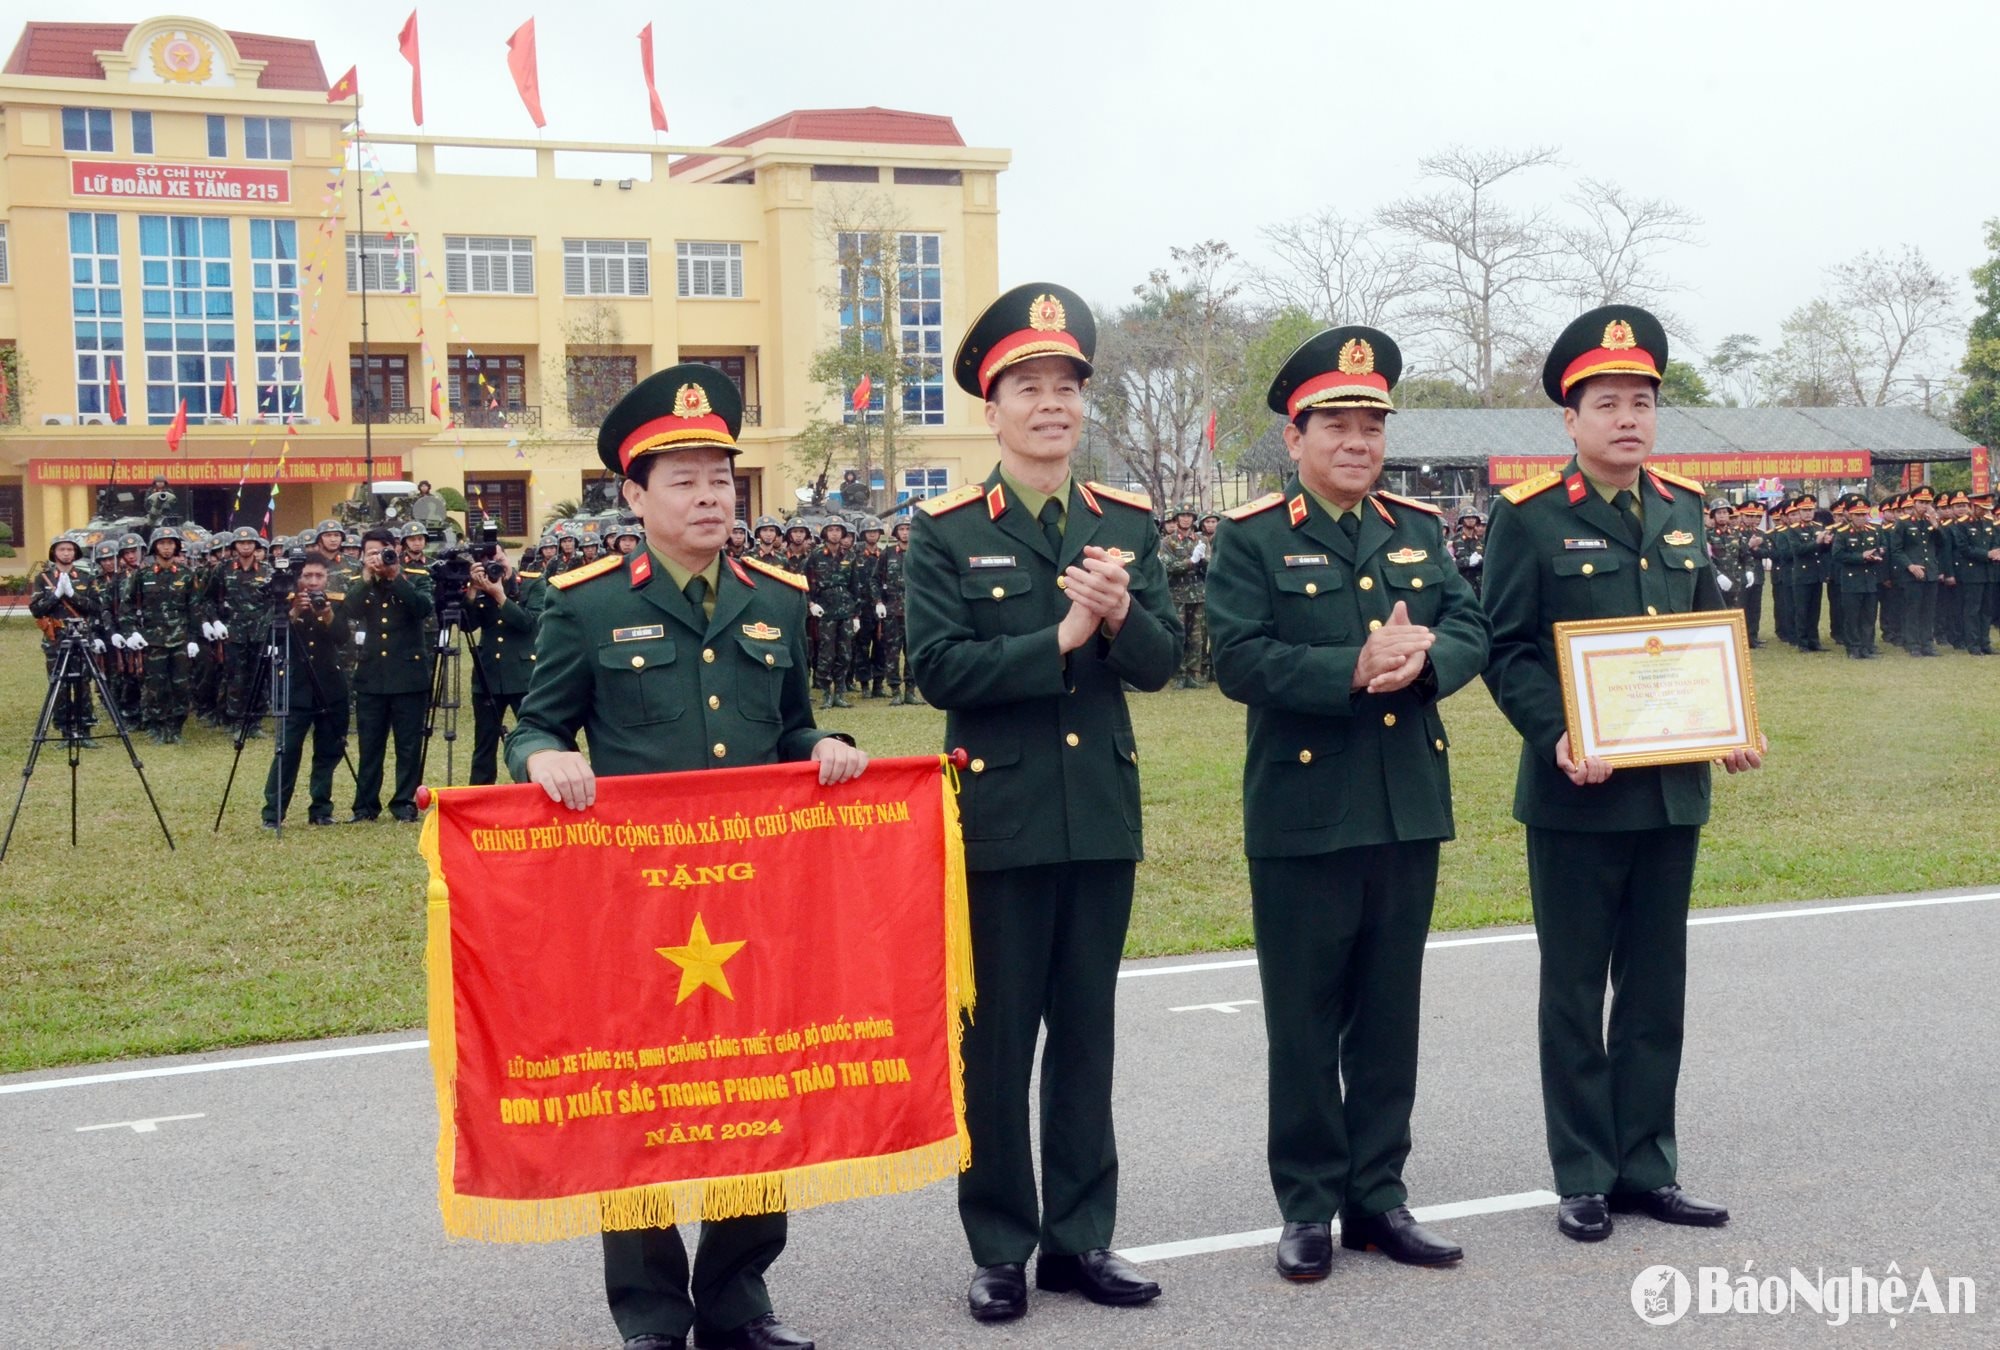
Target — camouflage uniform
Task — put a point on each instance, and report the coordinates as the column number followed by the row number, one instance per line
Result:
column 832, row 575
column 1186, row 586
column 161, row 608
column 870, row 608
column 894, row 633
column 235, row 607
column 51, row 602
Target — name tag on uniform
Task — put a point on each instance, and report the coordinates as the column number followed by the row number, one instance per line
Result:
column 1678, row 538
column 1585, row 543
column 1305, row 560
column 639, row 633
column 992, row 560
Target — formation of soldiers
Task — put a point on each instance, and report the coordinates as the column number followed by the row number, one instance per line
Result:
column 1184, row 548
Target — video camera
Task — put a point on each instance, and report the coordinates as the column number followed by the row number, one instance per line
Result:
column 451, row 569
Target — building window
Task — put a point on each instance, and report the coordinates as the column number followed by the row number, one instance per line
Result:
column 921, row 483
column 388, row 264
column 732, row 366
column 484, row 389
column 189, row 312
column 274, row 306
column 503, row 500
column 606, row 267
column 846, row 173
column 385, row 389
column 596, row 382
column 868, row 270
column 709, row 271
column 484, row 264
column 218, row 136
column 13, row 512
column 928, row 178
column 87, row 129
column 5, row 274
column 267, row 138
column 97, row 309
column 142, row 133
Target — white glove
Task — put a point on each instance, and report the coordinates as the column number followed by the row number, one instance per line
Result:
column 1724, row 584
column 1200, row 552
column 818, row 610
column 881, row 610
column 194, row 650
column 1476, row 559
column 1749, row 579
column 854, row 625
column 361, row 637
column 208, row 630
column 97, row 645
column 63, row 586
column 118, row 641
column 136, row 643
column 221, row 631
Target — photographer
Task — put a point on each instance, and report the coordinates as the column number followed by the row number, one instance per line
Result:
column 503, row 659
column 318, row 701
column 391, row 675
column 64, row 592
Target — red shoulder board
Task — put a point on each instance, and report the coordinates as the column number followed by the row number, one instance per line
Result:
column 792, row 579
column 1578, row 489
column 1298, row 509
column 1138, row 500
column 642, row 568
column 1412, row 503
column 996, row 502
column 578, row 575
column 1256, row 507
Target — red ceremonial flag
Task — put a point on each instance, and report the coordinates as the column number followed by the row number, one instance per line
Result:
column 5, row 392
column 521, row 64
column 1982, row 464
column 114, row 393
column 228, row 408
column 1211, row 431
column 346, row 87
column 437, row 400
column 407, row 42
column 332, row 400
column 862, row 392
column 642, row 1013
column 178, row 428
column 652, row 90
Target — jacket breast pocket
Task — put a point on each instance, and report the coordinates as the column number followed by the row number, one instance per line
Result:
column 638, row 679
column 760, row 683
column 1682, row 564
column 1417, row 586
column 1002, row 601
column 1312, row 606
column 1587, row 584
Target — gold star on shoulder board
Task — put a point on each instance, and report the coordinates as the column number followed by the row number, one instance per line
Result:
column 701, row 963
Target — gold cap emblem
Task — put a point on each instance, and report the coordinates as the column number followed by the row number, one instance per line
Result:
column 691, row 400
column 1357, row 358
column 1618, row 336
column 1046, row 315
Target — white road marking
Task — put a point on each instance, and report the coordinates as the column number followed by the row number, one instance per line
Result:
column 1136, row 973
column 1234, row 1005
column 150, row 1125
column 1264, row 1237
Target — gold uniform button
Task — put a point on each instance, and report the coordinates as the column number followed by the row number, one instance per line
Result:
column 999, row 592
column 714, row 702
column 1305, row 756
column 1374, row 624
column 1388, row 719
column 1439, row 744
column 1651, row 611
column 1366, row 583
column 1062, row 583
column 1645, row 566
column 1688, row 563
column 708, row 655
column 720, row 749
column 1416, row 583
column 979, row 766
column 1070, row 739
column 638, row 661
column 1588, row 568
column 770, row 660
column 1312, row 588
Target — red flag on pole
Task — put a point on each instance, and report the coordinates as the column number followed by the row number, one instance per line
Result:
column 862, row 393
column 346, row 87
column 114, row 393
column 652, row 90
column 332, row 401
column 178, row 427
column 521, row 64
column 437, row 400
column 228, row 408
column 407, row 42
column 5, row 392
column 1211, row 431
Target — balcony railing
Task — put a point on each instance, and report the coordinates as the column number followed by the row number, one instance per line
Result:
column 402, row 417
column 753, row 414
column 489, row 418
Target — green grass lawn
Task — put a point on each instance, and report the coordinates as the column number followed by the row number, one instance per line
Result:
column 1880, row 780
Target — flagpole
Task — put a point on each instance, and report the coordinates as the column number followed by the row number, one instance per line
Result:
column 367, row 418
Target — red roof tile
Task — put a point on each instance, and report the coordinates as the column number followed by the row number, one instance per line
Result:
column 871, row 125
column 68, row 51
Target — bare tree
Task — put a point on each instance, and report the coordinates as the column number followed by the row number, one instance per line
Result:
column 1332, row 269
column 1481, row 266
column 1611, row 248
column 1895, row 304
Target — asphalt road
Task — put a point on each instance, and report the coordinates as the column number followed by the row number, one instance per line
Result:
column 1841, row 1093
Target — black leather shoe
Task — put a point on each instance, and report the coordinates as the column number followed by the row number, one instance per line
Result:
column 759, row 1333
column 406, row 815
column 1583, row 1218
column 652, row 1342
column 1669, row 1204
column 1100, row 1275
column 1305, row 1251
column 359, row 819
column 318, row 819
column 998, row 1293
column 1397, row 1235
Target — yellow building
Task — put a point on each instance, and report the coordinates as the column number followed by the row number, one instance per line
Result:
column 182, row 216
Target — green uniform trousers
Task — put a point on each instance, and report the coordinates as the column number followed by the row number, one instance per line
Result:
column 489, row 720
column 1920, row 608
column 1857, row 621
column 647, row 1283
column 328, row 728
column 1612, row 902
column 1046, row 942
column 376, row 718
column 1974, row 634
column 1340, row 953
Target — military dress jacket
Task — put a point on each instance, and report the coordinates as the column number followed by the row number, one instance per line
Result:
column 1915, row 543
column 313, row 657
column 1856, row 573
column 1558, row 551
column 391, row 653
column 505, row 663
column 656, row 686
column 1054, row 773
column 1291, row 600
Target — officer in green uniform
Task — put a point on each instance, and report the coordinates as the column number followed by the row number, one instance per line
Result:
column 1913, row 562
column 1976, row 566
column 1611, row 855
column 500, row 632
column 318, row 694
column 1860, row 553
column 1339, row 617
column 1032, row 599
column 159, row 614
column 667, row 660
column 391, row 675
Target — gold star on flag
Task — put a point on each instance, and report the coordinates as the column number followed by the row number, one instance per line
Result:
column 701, row 963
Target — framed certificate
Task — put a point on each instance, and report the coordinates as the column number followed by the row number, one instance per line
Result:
column 1666, row 689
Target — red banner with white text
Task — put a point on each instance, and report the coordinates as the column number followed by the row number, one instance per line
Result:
column 709, row 994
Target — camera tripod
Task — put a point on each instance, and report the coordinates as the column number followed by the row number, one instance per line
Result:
column 273, row 677
column 445, row 658
column 69, row 695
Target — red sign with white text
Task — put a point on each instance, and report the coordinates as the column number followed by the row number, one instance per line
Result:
column 220, row 469
column 164, row 181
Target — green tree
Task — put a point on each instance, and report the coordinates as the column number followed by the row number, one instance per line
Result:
column 17, row 383
column 1737, row 364
column 1978, row 412
column 1434, row 391
column 1244, row 415
column 1683, row 387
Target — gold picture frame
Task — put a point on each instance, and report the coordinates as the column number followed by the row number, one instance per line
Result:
column 1658, row 689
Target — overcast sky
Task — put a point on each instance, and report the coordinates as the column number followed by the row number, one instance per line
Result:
column 1800, row 134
